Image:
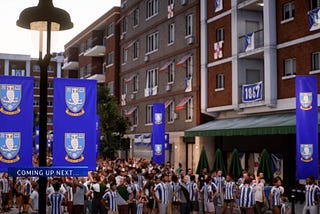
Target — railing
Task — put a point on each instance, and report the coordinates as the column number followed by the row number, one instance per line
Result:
column 258, row 41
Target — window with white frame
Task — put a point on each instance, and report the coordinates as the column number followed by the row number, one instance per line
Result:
column 82, row 72
column 189, row 66
column 37, row 84
column 124, row 86
column 170, row 2
column 170, row 112
column 315, row 61
column 110, row 29
column 36, row 68
column 124, row 55
column 110, row 58
column 290, row 67
column 111, row 87
column 149, row 114
column 135, row 117
column 88, row 69
column 220, row 81
column 152, row 42
column 189, row 25
column 36, row 103
column 152, row 78
column 314, row 4
column 136, row 17
column 50, row 85
column 135, row 50
column 152, row 8
column 124, row 25
column 288, row 11
column 171, row 72
column 171, row 33
column 135, row 84
column 219, row 34
column 189, row 110
column 49, row 103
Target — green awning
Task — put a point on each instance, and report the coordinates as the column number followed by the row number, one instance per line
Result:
column 254, row 125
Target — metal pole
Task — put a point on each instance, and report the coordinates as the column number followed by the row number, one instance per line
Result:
column 44, row 63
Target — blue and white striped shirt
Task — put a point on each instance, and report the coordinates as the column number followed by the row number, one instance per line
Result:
column 111, row 197
column 161, row 191
column 139, row 208
column 174, row 187
column 56, row 200
column 229, row 190
column 246, row 196
column 208, row 192
column 193, row 191
column 276, row 193
column 219, row 181
column 311, row 194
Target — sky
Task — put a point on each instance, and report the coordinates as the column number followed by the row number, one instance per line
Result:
column 16, row 40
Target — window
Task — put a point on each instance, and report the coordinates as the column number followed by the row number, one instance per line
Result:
column 315, row 61
column 152, row 8
column 136, row 17
column 170, row 2
column 110, row 30
column 49, row 103
column 171, row 73
column 170, row 112
column 149, row 114
column 50, row 85
column 135, row 50
column 189, row 108
column 288, row 11
column 50, row 68
column 36, row 68
column 89, row 70
column 110, row 58
column 189, row 67
column 152, row 42
column 152, row 78
column 171, row 33
column 37, row 84
column 189, row 25
column 135, row 117
column 89, row 43
column 290, row 67
column 220, row 81
column 124, row 86
column 124, row 25
column 219, row 34
column 111, row 88
column 36, row 103
column 82, row 72
column 82, row 48
column 314, row 4
column 124, row 55
column 135, row 84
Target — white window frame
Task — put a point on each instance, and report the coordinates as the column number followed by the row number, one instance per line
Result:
column 314, row 4
column 136, row 50
column 170, row 112
column 171, row 32
column 290, row 8
column 189, row 110
column 152, row 42
column 110, row 31
column 124, row 87
column 36, row 102
column 124, row 56
column 152, row 78
column 219, row 82
column 220, row 34
column 315, row 61
column 135, row 117
column 171, row 71
column 290, row 67
column 189, row 25
column 152, row 9
column 189, row 66
column 170, row 2
column 110, row 60
column 136, row 20
column 36, row 68
column 135, row 84
column 149, row 114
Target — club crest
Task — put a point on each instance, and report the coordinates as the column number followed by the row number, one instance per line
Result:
column 10, row 98
column 158, row 118
column 306, row 151
column 10, row 146
column 158, row 149
column 74, row 144
column 305, row 100
column 75, row 98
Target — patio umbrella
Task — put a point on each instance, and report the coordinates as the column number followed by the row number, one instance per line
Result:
column 265, row 165
column 203, row 162
column 218, row 162
column 235, row 168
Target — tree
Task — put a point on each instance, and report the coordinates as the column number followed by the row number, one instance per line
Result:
column 112, row 124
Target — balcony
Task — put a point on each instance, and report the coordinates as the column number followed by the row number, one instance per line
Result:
column 101, row 78
column 70, row 65
column 251, row 45
column 256, row 5
column 96, row 48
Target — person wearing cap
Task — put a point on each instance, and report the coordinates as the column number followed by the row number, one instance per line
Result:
column 111, row 198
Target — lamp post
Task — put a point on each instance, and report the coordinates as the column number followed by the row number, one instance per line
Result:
column 44, row 17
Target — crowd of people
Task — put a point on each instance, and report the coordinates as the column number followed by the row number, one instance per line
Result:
column 143, row 187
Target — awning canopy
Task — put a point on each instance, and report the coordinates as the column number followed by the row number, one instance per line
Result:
column 255, row 125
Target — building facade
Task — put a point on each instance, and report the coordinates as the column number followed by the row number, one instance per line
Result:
column 251, row 52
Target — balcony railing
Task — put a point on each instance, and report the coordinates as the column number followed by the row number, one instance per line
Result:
column 245, row 43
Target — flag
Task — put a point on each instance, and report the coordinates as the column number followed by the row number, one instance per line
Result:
column 306, row 126
column 183, row 102
column 138, row 139
column 151, row 91
column 123, row 99
column 167, row 103
column 130, row 45
column 314, row 19
column 158, row 133
column 146, row 139
column 165, row 66
column 188, row 82
column 256, row 160
column 170, row 11
column 131, row 110
column 130, row 78
column 75, row 120
column 16, row 116
column 249, row 42
column 218, row 5
column 218, row 50
column 182, row 60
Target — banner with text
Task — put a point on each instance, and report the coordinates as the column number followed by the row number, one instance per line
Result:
column 306, row 126
column 158, row 133
column 16, row 116
column 252, row 92
column 74, row 126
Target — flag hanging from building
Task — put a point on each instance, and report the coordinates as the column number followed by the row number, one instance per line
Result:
column 75, row 120
column 314, row 19
column 170, row 11
column 306, row 126
column 158, row 133
column 218, row 50
column 16, row 116
column 218, row 5
column 188, row 82
column 249, row 42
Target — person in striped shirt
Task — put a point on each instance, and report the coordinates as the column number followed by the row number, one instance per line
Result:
column 275, row 196
column 219, row 181
column 209, row 191
column 194, row 195
column 175, row 203
column 161, row 194
column 111, row 198
column 312, row 190
column 229, row 192
column 5, row 187
column 56, row 199
column 246, row 197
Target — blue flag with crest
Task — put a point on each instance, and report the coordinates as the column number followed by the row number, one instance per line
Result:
column 74, row 123
column 16, row 116
column 158, row 133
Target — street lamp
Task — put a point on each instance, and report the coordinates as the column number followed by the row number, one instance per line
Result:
column 44, row 17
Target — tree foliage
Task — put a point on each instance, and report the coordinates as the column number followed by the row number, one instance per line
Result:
column 112, row 124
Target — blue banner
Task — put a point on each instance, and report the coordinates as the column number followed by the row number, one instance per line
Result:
column 158, row 133
column 306, row 126
column 74, row 126
column 252, row 92
column 48, row 171
column 16, row 116
column 98, row 135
